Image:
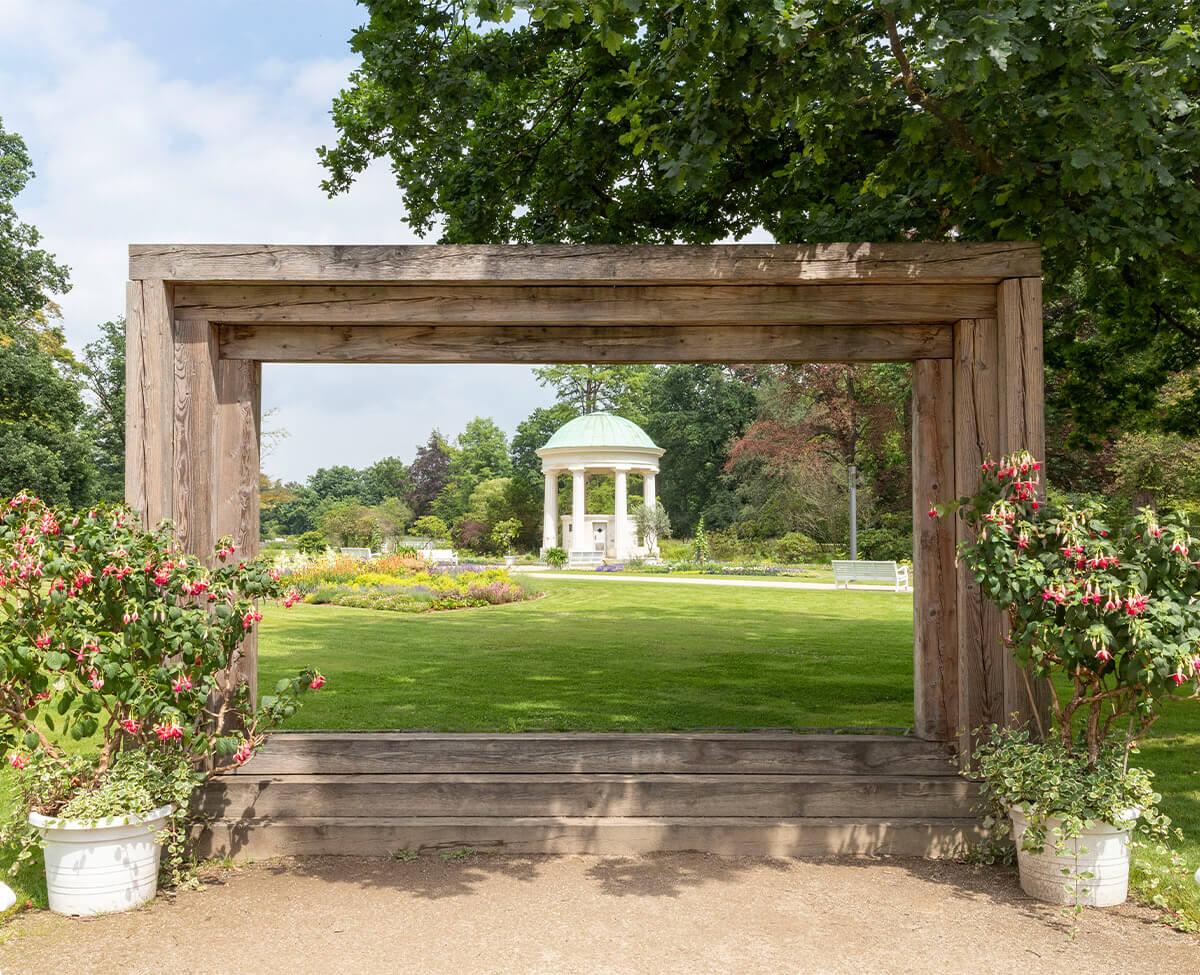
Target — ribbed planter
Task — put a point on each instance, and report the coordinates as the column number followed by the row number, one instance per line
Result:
column 102, row 865
column 1101, row 851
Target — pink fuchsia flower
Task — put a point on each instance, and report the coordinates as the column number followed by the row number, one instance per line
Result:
column 168, row 731
column 195, row 588
column 1178, row 677
column 252, row 616
column 162, row 577
column 933, row 512
column 1180, row 549
column 290, row 600
column 17, row 760
column 83, row 577
column 317, row 682
column 225, row 551
column 95, row 680
column 273, row 575
column 1103, row 655
column 181, row 684
column 131, row 726
column 42, row 641
column 130, row 617
column 242, row 755
column 1135, row 605
column 49, row 524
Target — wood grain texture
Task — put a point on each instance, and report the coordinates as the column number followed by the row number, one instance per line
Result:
column 149, row 400
column 935, row 578
column 195, row 411
column 618, row 836
column 582, row 264
column 295, row 753
column 589, row 794
column 1022, row 427
column 585, row 343
column 981, row 646
column 235, row 488
column 729, row 305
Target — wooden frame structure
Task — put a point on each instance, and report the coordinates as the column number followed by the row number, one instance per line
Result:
column 203, row 318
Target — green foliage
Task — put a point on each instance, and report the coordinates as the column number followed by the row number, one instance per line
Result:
column 480, row 454
column 504, row 533
column 796, row 548
column 429, row 474
column 653, row 523
column 311, row 543
column 889, row 540
column 104, row 372
column 556, row 558
column 431, row 527
column 29, row 276
column 700, row 548
column 42, row 447
column 589, row 388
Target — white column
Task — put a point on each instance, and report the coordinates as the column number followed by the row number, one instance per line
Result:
column 621, row 511
column 550, row 512
column 579, row 539
column 649, row 500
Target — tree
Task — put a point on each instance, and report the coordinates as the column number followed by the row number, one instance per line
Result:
column 104, row 370
column 590, row 388
column 41, row 446
column 863, row 120
column 336, row 482
column 391, row 516
column 429, row 474
column 29, row 276
column 348, row 523
column 431, row 527
column 504, row 533
column 480, row 454
column 386, row 478
column 653, row 523
column 695, row 413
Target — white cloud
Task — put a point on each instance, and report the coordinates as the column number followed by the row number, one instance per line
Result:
column 128, row 150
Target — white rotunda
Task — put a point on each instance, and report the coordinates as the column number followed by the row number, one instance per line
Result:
column 598, row 443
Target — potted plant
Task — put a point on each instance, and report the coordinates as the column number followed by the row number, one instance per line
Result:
column 120, row 692
column 1107, row 618
column 504, row 533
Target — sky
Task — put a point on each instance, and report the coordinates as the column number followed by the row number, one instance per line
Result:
column 197, row 121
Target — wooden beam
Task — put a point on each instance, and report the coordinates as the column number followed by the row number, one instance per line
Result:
column 586, row 343
column 935, row 578
column 1022, row 426
column 982, row 653
column 235, row 475
column 195, row 408
column 680, row 305
column 587, row 263
column 149, row 399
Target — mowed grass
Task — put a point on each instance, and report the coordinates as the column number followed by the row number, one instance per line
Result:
column 599, row 656
column 624, row 656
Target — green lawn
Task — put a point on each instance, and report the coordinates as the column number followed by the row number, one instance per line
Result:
column 593, row 655
column 646, row 656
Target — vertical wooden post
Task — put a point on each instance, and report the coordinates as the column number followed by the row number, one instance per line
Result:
column 1022, row 426
column 235, row 474
column 149, row 399
column 195, row 425
column 935, row 580
column 982, row 652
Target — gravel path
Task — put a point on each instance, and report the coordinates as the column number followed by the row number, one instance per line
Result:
column 689, row 914
column 701, row 581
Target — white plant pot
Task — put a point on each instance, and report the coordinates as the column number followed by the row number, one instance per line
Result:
column 1101, row 851
column 100, row 866
column 510, row 560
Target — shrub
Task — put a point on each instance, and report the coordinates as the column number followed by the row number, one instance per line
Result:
column 311, row 543
column 796, row 547
column 110, row 631
column 556, row 557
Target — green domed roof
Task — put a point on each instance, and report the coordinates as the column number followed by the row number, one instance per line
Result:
column 600, row 430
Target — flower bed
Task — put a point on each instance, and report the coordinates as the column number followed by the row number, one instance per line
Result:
column 404, row 585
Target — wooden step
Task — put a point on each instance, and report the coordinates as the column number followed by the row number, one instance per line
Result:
column 628, row 836
column 249, row 796
column 311, row 753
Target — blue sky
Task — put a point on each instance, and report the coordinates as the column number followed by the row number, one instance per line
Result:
column 197, row 121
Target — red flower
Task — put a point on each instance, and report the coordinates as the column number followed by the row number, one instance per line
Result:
column 17, row 760
column 168, row 731
column 1178, row 677
column 131, row 726
column 181, row 684
column 933, row 512
column 316, row 683
column 42, row 642
column 242, row 755
column 1103, row 655
column 252, row 616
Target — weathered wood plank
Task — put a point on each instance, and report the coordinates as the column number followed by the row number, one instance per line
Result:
column 600, row 264
column 619, row 836
column 731, row 305
column 751, row 752
column 1022, row 426
column 935, row 578
column 977, row 436
column 149, row 399
column 195, row 413
column 235, row 482
column 516, row 794
column 588, row 343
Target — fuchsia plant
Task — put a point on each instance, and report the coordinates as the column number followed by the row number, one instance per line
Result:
column 1114, row 612
column 110, row 631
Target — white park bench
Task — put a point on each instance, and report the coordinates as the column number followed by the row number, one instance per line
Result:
column 845, row 571
column 440, row 556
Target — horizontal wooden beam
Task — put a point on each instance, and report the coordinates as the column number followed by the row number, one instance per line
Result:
column 586, row 343
column 587, row 305
column 582, row 264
